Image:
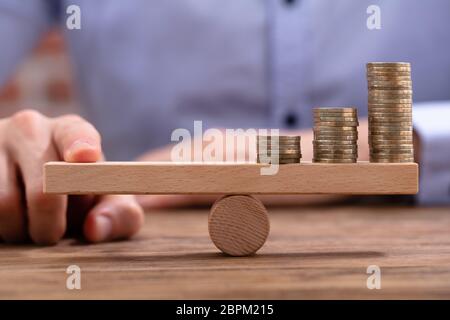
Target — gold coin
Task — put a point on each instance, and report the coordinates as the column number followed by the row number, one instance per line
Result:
column 335, row 138
column 393, row 120
column 408, row 157
column 279, row 154
column 279, row 145
column 383, row 96
column 382, row 128
column 323, row 128
column 387, row 77
column 345, row 133
column 330, row 153
column 335, row 109
column 333, row 147
column 334, row 160
column 338, row 123
column 278, row 160
column 388, row 100
column 334, row 128
column 389, row 107
column 392, row 161
column 288, row 138
column 392, row 133
column 389, row 149
column 339, row 112
column 395, row 92
column 388, row 64
column 392, row 143
column 372, row 70
column 387, row 73
column 389, row 83
column 289, row 161
column 390, row 114
column 331, row 118
column 335, row 114
column 389, row 135
column 381, row 138
column 390, row 69
column 335, row 150
column 280, row 138
column 391, row 156
column 277, row 148
column 376, row 123
column 335, row 142
column 336, row 157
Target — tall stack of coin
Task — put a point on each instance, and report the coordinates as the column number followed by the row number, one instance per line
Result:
column 284, row 149
column 335, row 135
column 390, row 112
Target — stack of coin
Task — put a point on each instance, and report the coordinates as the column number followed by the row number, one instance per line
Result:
column 335, row 135
column 278, row 149
column 390, row 112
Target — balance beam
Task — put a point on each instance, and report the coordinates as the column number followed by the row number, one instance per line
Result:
column 361, row 178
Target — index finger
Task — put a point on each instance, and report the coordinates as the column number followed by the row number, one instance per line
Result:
column 76, row 139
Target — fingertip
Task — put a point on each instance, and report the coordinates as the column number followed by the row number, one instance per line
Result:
column 98, row 228
column 82, row 151
column 118, row 217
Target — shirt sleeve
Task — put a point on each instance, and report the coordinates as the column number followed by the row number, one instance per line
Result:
column 432, row 124
column 21, row 26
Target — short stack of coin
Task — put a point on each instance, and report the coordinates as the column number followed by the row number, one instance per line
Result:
column 390, row 112
column 284, row 149
column 335, row 135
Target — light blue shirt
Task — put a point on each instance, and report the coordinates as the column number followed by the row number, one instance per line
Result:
column 146, row 67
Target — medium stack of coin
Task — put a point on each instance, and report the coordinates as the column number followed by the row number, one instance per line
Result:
column 335, row 135
column 278, row 149
column 390, row 112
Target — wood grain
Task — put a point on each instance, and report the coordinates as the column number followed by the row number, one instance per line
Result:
column 223, row 178
column 238, row 225
column 315, row 253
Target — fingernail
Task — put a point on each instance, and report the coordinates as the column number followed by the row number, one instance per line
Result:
column 86, row 153
column 103, row 227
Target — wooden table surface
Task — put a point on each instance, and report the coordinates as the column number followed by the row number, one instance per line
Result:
column 313, row 252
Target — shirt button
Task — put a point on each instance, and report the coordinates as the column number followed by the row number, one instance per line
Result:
column 291, row 120
column 289, row 2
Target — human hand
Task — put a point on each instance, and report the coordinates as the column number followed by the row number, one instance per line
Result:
column 27, row 141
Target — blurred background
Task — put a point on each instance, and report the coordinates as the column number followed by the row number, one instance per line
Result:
column 43, row 81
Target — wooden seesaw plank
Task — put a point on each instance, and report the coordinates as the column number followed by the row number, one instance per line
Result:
column 229, row 178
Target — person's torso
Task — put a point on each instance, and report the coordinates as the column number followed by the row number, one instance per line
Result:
column 145, row 67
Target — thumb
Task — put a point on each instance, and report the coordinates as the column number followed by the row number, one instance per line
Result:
column 114, row 217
